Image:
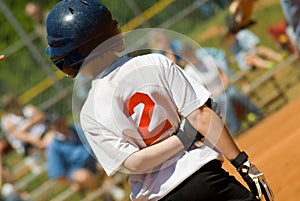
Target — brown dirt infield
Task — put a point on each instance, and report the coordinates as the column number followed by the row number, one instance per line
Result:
column 273, row 146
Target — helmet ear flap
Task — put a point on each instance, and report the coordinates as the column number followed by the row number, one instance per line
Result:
column 73, row 63
column 72, row 70
column 69, row 64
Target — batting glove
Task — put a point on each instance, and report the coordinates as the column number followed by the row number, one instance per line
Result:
column 187, row 134
column 254, row 178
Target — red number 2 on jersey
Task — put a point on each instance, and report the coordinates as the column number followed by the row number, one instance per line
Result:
column 146, row 116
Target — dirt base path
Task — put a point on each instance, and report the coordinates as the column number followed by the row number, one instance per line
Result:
column 274, row 146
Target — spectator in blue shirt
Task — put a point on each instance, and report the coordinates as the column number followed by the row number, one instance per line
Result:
column 249, row 52
column 69, row 158
column 209, row 66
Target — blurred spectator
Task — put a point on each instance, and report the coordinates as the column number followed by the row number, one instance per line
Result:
column 244, row 9
column 219, row 57
column 2, row 57
column 282, row 38
column 38, row 15
column 239, row 16
column 69, row 158
column 292, row 36
column 217, row 80
column 160, row 43
column 249, row 53
column 34, row 11
column 24, row 126
column 291, row 10
column 208, row 70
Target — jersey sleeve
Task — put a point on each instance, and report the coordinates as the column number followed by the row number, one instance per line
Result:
column 113, row 126
column 187, row 94
column 113, row 150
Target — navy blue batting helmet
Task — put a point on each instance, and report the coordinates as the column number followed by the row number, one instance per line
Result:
column 74, row 29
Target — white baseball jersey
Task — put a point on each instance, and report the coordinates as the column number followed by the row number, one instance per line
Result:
column 137, row 104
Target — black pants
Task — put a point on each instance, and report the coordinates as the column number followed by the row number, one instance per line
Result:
column 210, row 183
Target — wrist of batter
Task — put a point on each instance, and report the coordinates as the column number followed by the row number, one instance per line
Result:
column 241, row 158
column 187, row 134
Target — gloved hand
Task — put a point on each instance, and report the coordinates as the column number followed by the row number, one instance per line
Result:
column 253, row 177
column 187, row 134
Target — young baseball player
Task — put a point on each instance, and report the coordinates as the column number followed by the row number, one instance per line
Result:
column 142, row 115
